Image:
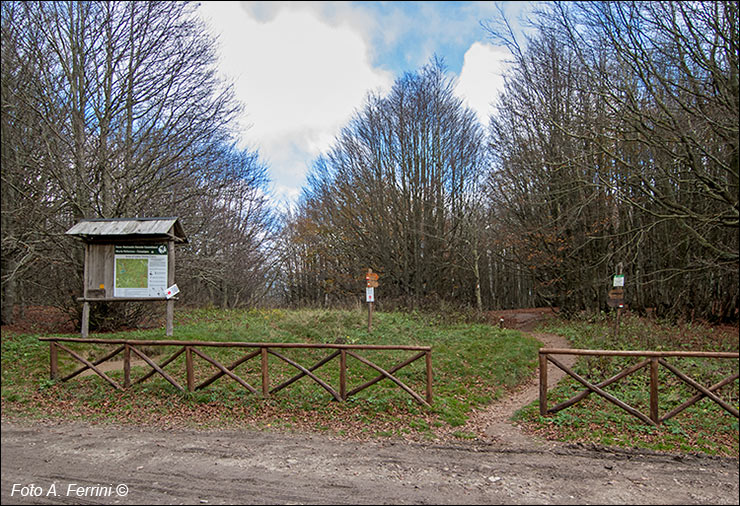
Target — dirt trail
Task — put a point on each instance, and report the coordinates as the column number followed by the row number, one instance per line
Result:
column 494, row 421
column 130, row 465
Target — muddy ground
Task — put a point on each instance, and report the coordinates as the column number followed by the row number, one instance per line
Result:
column 82, row 463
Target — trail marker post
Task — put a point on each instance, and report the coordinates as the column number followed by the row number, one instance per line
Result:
column 616, row 296
column 372, row 283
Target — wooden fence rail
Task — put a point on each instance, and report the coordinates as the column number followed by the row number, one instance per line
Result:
column 653, row 359
column 193, row 349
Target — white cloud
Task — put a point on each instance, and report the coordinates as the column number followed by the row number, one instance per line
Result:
column 301, row 69
column 481, row 78
column 300, row 78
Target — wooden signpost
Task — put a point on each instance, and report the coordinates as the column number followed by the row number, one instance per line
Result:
column 616, row 298
column 372, row 283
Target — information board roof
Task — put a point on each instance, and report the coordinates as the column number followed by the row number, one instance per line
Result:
column 129, row 228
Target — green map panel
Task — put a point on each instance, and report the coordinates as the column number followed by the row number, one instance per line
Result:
column 132, row 273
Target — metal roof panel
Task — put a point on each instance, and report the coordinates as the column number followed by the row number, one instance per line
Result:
column 165, row 227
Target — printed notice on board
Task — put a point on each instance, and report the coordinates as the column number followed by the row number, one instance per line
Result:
column 140, row 271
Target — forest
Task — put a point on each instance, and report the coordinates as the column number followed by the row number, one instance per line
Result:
column 614, row 144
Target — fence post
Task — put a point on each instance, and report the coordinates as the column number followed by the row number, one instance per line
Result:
column 126, row 366
column 53, row 361
column 654, row 390
column 189, row 368
column 343, row 374
column 543, row 384
column 265, row 377
column 429, row 376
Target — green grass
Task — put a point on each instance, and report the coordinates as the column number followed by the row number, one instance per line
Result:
column 704, row 427
column 472, row 364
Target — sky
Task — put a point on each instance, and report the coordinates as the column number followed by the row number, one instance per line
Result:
column 302, row 69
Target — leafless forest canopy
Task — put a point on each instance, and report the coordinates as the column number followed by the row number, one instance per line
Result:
column 615, row 141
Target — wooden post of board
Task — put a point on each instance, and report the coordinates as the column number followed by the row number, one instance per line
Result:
column 170, row 282
column 85, row 331
column 85, row 321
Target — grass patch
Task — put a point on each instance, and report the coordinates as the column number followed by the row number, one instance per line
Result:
column 472, row 364
column 704, row 427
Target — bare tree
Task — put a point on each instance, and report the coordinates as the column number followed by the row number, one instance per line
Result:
column 128, row 118
column 645, row 151
column 396, row 191
column 230, row 255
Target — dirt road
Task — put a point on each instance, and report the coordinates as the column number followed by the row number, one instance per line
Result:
column 132, row 466
column 80, row 463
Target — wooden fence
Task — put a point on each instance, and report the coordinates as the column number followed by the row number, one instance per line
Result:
column 193, row 349
column 653, row 359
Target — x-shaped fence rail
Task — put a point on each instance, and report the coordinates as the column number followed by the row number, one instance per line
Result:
column 653, row 360
column 194, row 348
